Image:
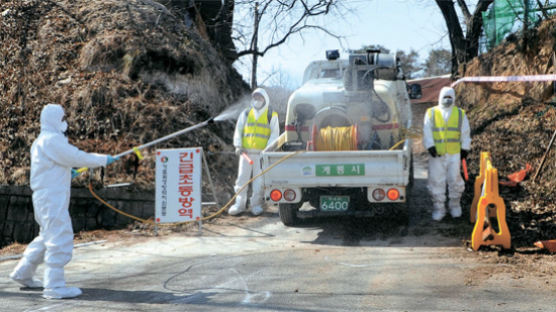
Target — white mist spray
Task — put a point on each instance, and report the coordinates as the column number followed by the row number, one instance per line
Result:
column 232, row 112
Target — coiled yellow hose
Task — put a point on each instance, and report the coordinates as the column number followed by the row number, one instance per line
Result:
column 336, row 139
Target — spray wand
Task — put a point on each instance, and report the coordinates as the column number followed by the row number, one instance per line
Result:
column 159, row 140
column 464, row 165
column 249, row 160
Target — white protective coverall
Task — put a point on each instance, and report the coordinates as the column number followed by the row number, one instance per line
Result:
column 52, row 158
column 245, row 170
column 445, row 169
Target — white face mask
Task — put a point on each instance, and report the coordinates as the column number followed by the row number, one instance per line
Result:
column 63, row 126
column 257, row 104
column 447, row 102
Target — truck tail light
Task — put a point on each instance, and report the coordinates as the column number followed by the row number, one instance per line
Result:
column 289, row 195
column 276, row 195
column 378, row 194
column 393, row 194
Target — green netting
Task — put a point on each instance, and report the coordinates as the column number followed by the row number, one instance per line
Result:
column 506, row 16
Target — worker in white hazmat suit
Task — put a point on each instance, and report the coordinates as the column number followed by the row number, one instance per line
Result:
column 256, row 128
column 446, row 136
column 52, row 159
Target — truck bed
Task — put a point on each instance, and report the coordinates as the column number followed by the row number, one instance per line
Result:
column 338, row 168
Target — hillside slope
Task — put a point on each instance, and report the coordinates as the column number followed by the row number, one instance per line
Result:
column 514, row 122
column 126, row 72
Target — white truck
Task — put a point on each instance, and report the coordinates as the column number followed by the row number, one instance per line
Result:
column 349, row 118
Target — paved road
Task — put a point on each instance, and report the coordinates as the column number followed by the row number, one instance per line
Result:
column 257, row 264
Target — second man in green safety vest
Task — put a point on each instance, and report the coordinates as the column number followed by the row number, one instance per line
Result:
column 446, row 136
column 256, row 128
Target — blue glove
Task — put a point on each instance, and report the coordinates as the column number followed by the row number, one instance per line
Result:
column 110, row 159
column 74, row 174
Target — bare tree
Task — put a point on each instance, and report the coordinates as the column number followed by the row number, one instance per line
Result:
column 543, row 9
column 267, row 24
column 221, row 29
column 439, row 62
column 409, row 62
column 465, row 46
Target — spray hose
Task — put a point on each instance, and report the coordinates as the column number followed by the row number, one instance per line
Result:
column 148, row 221
column 345, row 138
column 407, row 133
column 336, row 139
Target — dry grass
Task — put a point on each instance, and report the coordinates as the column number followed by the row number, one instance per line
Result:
column 514, row 122
column 126, row 72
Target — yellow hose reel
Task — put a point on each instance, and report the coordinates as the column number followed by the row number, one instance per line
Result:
column 335, row 138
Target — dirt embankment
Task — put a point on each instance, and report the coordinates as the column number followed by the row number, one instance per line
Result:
column 514, row 122
column 126, row 72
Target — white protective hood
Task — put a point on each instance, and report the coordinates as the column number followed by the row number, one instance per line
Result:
column 51, row 118
column 263, row 93
column 447, row 91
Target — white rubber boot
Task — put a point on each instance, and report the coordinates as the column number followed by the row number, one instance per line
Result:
column 455, row 207
column 236, row 209
column 257, row 210
column 23, row 274
column 438, row 211
column 29, row 282
column 61, row 293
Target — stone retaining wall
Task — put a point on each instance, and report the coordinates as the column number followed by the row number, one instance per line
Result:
column 17, row 223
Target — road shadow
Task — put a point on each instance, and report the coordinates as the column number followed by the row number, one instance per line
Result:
column 192, row 297
column 250, row 231
column 110, row 295
column 391, row 228
column 130, row 296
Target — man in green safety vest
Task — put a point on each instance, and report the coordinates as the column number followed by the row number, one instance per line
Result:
column 446, row 136
column 256, row 128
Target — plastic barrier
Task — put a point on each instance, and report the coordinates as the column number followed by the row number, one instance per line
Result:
column 489, row 202
column 478, row 186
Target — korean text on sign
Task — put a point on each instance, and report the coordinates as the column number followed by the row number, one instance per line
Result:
column 178, row 185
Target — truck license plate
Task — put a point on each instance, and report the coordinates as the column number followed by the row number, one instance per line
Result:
column 334, row 203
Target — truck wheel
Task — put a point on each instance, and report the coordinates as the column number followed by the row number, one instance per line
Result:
column 399, row 213
column 288, row 213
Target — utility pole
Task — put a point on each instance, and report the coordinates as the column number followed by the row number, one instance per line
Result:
column 254, row 48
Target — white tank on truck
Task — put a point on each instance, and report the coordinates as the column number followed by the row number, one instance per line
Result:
column 350, row 116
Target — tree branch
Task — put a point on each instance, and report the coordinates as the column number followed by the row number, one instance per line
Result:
column 543, row 10
column 464, row 9
column 474, row 27
column 279, row 19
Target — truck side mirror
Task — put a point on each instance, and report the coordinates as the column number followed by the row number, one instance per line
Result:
column 414, row 91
